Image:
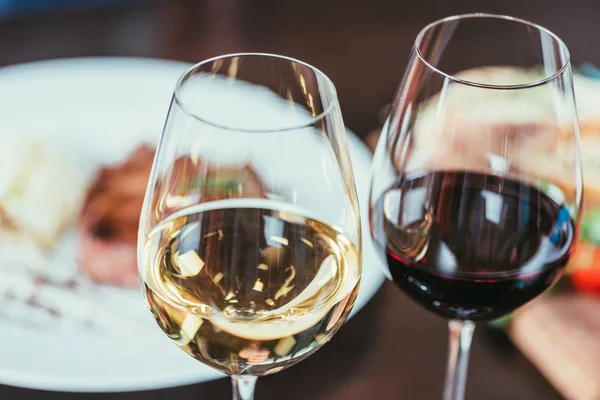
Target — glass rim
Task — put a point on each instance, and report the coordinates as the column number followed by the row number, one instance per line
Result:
column 561, row 43
column 309, row 122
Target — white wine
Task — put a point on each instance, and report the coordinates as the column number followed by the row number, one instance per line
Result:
column 249, row 288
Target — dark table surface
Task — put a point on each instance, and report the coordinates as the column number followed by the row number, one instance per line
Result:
column 392, row 348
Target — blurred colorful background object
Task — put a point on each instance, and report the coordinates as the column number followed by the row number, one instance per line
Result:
column 10, row 8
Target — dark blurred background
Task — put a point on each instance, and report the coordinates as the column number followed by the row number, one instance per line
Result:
column 392, row 349
column 362, row 45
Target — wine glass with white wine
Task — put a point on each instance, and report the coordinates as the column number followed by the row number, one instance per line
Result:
column 249, row 240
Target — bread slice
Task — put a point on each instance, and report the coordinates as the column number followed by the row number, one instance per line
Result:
column 40, row 190
column 559, row 334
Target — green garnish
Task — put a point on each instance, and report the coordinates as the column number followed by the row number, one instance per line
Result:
column 589, row 229
column 211, row 184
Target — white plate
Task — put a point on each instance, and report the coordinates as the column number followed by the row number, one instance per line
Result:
column 96, row 110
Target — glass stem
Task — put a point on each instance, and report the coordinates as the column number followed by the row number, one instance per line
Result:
column 461, row 333
column 243, row 387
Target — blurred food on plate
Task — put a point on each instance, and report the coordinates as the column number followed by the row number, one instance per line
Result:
column 192, row 180
column 109, row 220
column 110, row 217
column 40, row 190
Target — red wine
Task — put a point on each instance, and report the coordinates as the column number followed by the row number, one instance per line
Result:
column 472, row 246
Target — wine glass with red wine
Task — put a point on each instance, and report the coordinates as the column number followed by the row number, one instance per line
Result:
column 477, row 181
